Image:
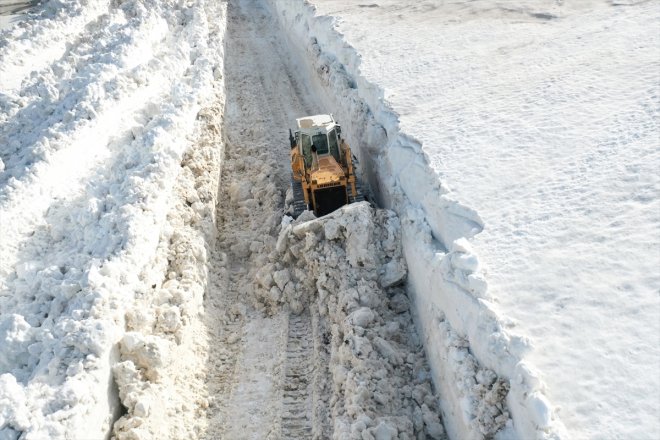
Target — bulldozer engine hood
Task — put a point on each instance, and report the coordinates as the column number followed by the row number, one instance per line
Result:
column 328, row 173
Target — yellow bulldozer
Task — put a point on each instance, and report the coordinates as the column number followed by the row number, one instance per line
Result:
column 323, row 176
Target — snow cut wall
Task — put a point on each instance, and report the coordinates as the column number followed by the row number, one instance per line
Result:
column 445, row 283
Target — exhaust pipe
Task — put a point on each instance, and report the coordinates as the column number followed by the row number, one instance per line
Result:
column 292, row 140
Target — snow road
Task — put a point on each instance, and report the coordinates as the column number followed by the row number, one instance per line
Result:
column 274, row 376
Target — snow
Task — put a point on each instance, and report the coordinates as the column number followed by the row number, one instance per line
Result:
column 337, row 261
column 517, row 127
column 279, row 366
column 94, row 130
column 12, row 12
column 152, row 284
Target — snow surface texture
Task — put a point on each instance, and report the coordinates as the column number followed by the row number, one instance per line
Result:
column 103, row 264
column 543, row 116
column 440, row 260
column 94, row 146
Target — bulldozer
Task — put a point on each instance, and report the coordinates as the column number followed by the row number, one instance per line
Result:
column 323, row 169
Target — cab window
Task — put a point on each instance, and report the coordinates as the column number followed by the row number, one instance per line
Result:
column 332, row 142
column 306, row 143
column 321, row 143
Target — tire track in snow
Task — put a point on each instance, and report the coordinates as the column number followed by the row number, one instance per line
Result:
column 297, row 397
column 246, row 376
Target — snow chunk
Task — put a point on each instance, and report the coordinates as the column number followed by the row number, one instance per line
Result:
column 147, row 352
column 393, row 273
column 281, row 278
column 362, row 317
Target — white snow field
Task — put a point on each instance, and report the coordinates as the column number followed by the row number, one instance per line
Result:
column 153, row 286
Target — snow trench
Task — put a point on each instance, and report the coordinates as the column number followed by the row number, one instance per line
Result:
column 452, row 305
column 312, row 333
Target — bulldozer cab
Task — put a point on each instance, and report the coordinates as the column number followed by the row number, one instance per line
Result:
column 318, row 134
column 322, row 176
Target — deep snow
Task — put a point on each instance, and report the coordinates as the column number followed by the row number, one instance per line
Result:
column 542, row 117
column 517, row 153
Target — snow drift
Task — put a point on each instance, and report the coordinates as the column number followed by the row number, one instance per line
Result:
column 93, row 134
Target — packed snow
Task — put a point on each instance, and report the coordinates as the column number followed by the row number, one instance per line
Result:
column 153, row 285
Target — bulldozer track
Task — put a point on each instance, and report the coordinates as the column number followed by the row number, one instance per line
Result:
column 299, row 205
column 296, row 394
column 360, row 194
column 358, row 185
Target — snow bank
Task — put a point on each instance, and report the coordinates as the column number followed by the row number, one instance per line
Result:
column 341, row 268
column 93, row 138
column 450, row 293
column 163, row 354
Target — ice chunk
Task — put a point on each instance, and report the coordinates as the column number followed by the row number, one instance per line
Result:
column 385, row 431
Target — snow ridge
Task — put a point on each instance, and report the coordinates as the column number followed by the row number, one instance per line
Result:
column 84, row 198
column 346, row 268
column 449, row 290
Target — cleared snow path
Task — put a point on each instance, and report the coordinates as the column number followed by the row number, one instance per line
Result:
column 248, row 350
column 278, row 365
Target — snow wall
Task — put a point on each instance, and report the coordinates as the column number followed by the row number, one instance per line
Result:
column 444, row 281
column 108, row 184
